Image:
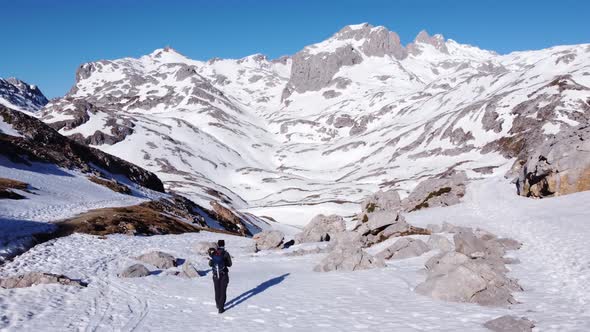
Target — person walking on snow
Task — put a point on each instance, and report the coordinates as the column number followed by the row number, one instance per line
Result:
column 219, row 261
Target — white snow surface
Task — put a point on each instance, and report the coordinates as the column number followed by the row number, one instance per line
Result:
column 269, row 291
column 54, row 194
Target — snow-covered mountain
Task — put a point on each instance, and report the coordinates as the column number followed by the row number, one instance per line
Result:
column 332, row 123
column 21, row 96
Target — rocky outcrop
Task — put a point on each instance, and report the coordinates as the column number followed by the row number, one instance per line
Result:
column 343, row 258
column 38, row 278
column 404, row 248
column 7, row 187
column 268, row 240
column 509, row 323
column 159, row 259
column 559, row 166
column 321, row 228
column 314, row 67
column 135, row 271
column 444, row 190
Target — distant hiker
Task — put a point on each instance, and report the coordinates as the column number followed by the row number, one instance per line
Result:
column 220, row 261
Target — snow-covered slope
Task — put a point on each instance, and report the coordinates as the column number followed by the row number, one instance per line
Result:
column 334, row 122
column 270, row 291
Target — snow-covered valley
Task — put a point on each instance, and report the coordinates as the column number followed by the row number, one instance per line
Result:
column 271, row 291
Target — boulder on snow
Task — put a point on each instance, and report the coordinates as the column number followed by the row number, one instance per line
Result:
column 38, row 278
column 268, row 240
column 382, row 225
column 404, row 248
column 159, row 259
column 439, row 242
column 509, row 323
column 348, row 259
column 445, row 190
column 135, row 271
column 321, row 228
column 189, row 270
column 202, row 247
column 381, row 201
column 453, row 276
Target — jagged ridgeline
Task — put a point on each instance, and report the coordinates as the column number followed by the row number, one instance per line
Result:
column 336, row 121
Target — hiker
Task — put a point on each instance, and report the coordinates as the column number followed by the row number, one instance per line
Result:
column 220, row 261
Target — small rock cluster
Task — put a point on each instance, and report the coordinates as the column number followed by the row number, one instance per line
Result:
column 162, row 261
column 38, row 278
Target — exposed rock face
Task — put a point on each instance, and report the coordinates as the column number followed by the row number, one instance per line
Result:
column 135, row 271
column 7, row 187
column 22, row 95
column 404, row 248
column 437, row 41
column 559, row 166
column 312, row 71
column 509, row 323
column 445, row 190
column 348, row 259
column 321, row 228
column 159, row 259
column 38, row 278
column 44, row 144
column 268, row 240
column 439, row 242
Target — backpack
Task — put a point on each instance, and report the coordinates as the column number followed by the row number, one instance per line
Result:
column 218, row 259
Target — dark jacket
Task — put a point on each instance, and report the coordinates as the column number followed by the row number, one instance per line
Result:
column 226, row 259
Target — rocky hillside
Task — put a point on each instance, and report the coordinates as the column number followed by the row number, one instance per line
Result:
column 336, row 121
column 46, row 177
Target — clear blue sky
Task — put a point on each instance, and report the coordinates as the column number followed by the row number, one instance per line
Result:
column 43, row 42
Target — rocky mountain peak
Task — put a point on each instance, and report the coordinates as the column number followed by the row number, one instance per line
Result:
column 437, row 41
column 21, row 95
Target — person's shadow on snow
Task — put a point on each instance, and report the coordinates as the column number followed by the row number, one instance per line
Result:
column 256, row 290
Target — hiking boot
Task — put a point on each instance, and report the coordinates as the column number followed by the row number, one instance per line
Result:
column 221, row 311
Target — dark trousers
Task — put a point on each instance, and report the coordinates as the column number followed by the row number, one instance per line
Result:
column 220, row 283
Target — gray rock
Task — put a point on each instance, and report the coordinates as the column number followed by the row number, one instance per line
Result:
column 404, row 248
column 268, row 240
column 382, row 201
column 158, row 259
column 38, row 278
column 348, row 259
column 439, row 242
column 135, row 271
column 445, row 190
column 202, row 247
column 510, row 323
column 189, row 270
column 320, row 228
